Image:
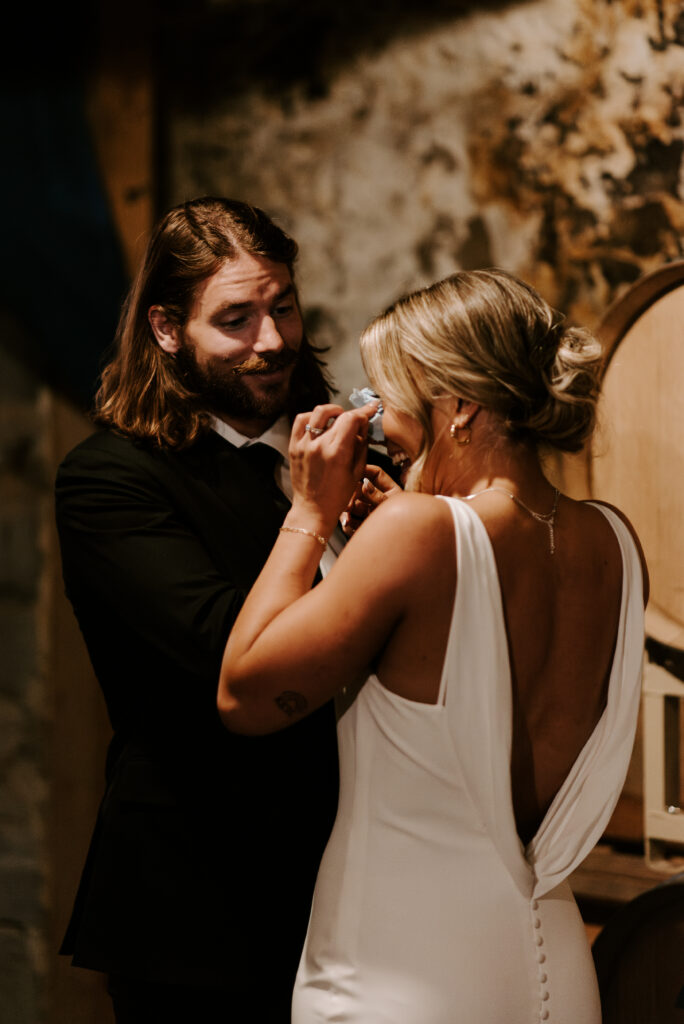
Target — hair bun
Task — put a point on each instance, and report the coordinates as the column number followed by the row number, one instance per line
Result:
column 566, row 416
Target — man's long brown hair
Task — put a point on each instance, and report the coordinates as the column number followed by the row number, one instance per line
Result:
column 142, row 393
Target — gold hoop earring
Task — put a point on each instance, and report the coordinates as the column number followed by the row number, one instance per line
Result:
column 461, row 435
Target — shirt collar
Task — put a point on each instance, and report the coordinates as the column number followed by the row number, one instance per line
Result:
column 277, row 435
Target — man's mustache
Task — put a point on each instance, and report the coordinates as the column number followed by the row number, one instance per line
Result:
column 265, row 364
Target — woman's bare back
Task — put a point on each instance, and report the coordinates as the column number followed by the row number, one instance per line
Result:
column 561, row 613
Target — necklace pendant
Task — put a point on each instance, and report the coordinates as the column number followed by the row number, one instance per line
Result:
column 548, row 518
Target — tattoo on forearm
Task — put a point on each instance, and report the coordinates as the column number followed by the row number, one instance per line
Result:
column 291, row 703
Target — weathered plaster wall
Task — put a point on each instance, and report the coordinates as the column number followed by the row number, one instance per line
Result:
column 545, row 137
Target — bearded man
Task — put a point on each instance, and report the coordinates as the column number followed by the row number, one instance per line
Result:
column 196, row 892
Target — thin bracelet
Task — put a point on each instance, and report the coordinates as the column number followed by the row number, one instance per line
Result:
column 309, row 533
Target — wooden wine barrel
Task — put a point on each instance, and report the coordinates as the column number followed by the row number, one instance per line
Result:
column 636, row 461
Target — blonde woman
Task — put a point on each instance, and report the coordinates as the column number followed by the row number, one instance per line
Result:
column 498, row 626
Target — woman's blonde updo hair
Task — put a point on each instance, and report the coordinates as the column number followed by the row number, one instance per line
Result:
column 487, row 337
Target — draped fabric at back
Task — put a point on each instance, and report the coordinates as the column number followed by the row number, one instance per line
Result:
column 476, row 689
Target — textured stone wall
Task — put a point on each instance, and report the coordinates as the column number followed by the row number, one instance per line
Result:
column 544, row 137
column 24, row 491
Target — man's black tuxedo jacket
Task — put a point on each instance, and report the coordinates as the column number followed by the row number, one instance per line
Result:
column 206, row 848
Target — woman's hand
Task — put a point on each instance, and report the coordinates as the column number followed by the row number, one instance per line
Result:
column 375, row 488
column 328, row 450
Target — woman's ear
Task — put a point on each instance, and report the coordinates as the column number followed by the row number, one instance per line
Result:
column 166, row 332
column 464, row 413
column 458, row 412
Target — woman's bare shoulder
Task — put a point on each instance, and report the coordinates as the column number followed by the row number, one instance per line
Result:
column 409, row 511
column 404, row 523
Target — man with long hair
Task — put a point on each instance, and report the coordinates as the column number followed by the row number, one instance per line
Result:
column 196, row 892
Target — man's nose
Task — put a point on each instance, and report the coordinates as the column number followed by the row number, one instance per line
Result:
column 268, row 337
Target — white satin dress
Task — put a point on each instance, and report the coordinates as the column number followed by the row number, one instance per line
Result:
column 427, row 908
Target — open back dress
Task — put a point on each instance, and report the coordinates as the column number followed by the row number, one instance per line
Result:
column 427, row 908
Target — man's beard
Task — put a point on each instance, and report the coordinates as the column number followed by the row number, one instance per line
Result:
column 221, row 389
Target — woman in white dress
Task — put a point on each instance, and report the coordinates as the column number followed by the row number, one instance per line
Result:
column 497, row 627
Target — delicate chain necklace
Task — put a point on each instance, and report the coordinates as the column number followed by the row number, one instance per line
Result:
column 548, row 518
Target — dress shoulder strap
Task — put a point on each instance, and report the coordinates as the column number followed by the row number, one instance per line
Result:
column 583, row 805
column 477, row 689
column 477, row 601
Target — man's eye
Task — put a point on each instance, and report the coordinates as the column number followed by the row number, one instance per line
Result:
column 231, row 325
column 285, row 309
